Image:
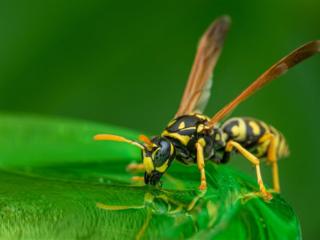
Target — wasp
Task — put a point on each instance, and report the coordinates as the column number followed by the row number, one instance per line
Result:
column 194, row 138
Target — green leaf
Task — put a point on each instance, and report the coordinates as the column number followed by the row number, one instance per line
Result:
column 57, row 183
column 27, row 141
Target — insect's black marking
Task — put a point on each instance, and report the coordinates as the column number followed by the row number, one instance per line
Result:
column 184, row 139
column 189, row 122
column 251, row 136
column 228, row 129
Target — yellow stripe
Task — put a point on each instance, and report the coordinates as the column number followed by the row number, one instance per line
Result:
column 241, row 130
column 255, row 127
column 202, row 117
column 189, row 128
column 171, row 149
column 181, row 125
column 184, row 139
column 171, row 122
column 200, row 128
column 148, row 164
column 163, row 167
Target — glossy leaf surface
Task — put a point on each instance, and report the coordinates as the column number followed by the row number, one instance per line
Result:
column 57, row 183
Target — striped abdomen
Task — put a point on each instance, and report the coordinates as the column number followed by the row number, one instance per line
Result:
column 248, row 132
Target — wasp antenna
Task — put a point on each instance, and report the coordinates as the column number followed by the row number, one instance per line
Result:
column 146, row 140
column 109, row 137
column 115, row 138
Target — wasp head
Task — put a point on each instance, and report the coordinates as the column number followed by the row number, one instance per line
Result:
column 158, row 154
column 157, row 158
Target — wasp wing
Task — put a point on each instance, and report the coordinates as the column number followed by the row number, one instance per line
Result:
column 197, row 91
column 272, row 73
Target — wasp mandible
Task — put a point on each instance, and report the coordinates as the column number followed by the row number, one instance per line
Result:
column 193, row 138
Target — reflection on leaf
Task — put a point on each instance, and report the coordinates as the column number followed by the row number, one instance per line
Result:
column 56, row 183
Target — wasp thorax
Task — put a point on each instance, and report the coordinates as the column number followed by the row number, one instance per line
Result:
column 157, row 158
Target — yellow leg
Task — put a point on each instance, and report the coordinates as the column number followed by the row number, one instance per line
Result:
column 200, row 162
column 272, row 158
column 135, row 167
column 194, row 201
column 137, row 179
column 255, row 161
column 275, row 177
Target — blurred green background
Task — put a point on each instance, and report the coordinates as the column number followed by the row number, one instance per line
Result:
column 126, row 63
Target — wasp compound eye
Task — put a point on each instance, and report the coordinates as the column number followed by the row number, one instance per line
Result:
column 161, row 154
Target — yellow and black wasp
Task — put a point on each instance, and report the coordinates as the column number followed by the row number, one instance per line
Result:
column 193, row 138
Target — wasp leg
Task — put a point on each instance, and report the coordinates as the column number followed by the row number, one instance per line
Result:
column 200, row 162
column 137, row 179
column 272, row 158
column 194, row 201
column 255, row 161
column 275, row 176
column 135, row 167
